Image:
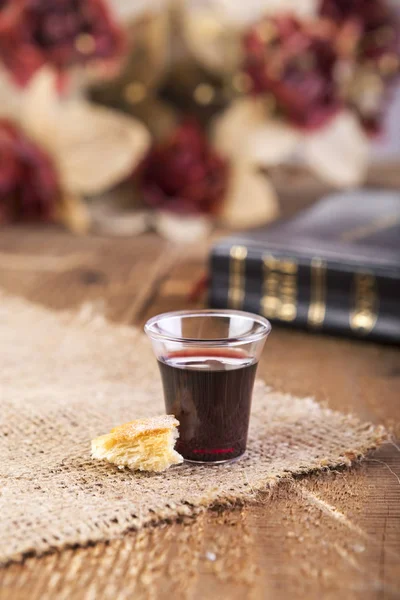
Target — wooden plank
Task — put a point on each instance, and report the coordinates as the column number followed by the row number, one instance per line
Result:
column 174, row 290
column 323, row 536
column 291, row 545
column 62, row 271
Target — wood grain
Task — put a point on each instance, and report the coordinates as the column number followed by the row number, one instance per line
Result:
column 317, row 537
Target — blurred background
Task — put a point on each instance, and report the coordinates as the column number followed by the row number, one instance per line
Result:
column 179, row 116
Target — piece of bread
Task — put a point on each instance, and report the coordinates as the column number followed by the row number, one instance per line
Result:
column 144, row 444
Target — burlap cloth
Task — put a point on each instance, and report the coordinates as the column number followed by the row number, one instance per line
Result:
column 68, row 378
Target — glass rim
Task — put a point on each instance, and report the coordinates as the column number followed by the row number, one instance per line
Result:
column 255, row 336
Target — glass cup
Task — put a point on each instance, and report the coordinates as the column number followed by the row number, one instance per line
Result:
column 208, row 361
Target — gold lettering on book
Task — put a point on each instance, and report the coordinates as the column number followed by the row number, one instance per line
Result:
column 279, row 300
column 238, row 255
column 365, row 303
column 317, row 308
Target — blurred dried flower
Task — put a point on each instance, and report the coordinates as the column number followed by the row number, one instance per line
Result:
column 183, row 173
column 92, row 148
column 63, row 33
column 297, row 62
column 212, row 29
column 29, row 188
column 377, row 54
column 251, row 137
column 370, row 11
column 376, row 19
column 379, row 25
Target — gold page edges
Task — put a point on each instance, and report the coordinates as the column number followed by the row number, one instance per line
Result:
column 237, row 276
column 317, row 308
column 365, row 301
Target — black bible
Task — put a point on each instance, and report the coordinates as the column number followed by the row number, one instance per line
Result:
column 334, row 267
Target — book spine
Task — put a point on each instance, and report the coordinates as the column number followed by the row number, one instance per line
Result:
column 309, row 293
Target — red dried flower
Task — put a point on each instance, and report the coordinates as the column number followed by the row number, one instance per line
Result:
column 28, row 181
column 297, row 62
column 63, row 33
column 183, row 174
column 377, row 54
column 379, row 24
column 371, row 12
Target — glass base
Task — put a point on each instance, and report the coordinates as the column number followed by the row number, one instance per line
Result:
column 213, row 462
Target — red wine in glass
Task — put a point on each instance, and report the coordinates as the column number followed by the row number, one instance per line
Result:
column 209, row 391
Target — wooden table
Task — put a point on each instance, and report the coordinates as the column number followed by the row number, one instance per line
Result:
column 327, row 536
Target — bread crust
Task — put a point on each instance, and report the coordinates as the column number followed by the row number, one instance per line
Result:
column 142, row 444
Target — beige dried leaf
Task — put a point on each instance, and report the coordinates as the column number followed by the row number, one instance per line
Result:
column 231, row 132
column 97, row 147
column 42, row 109
column 151, row 48
column 126, row 10
column 181, row 229
column 210, row 40
column 10, row 97
column 246, row 132
column 338, row 153
column 272, row 143
column 238, row 15
column 251, row 199
column 73, row 213
column 93, row 147
column 298, row 8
